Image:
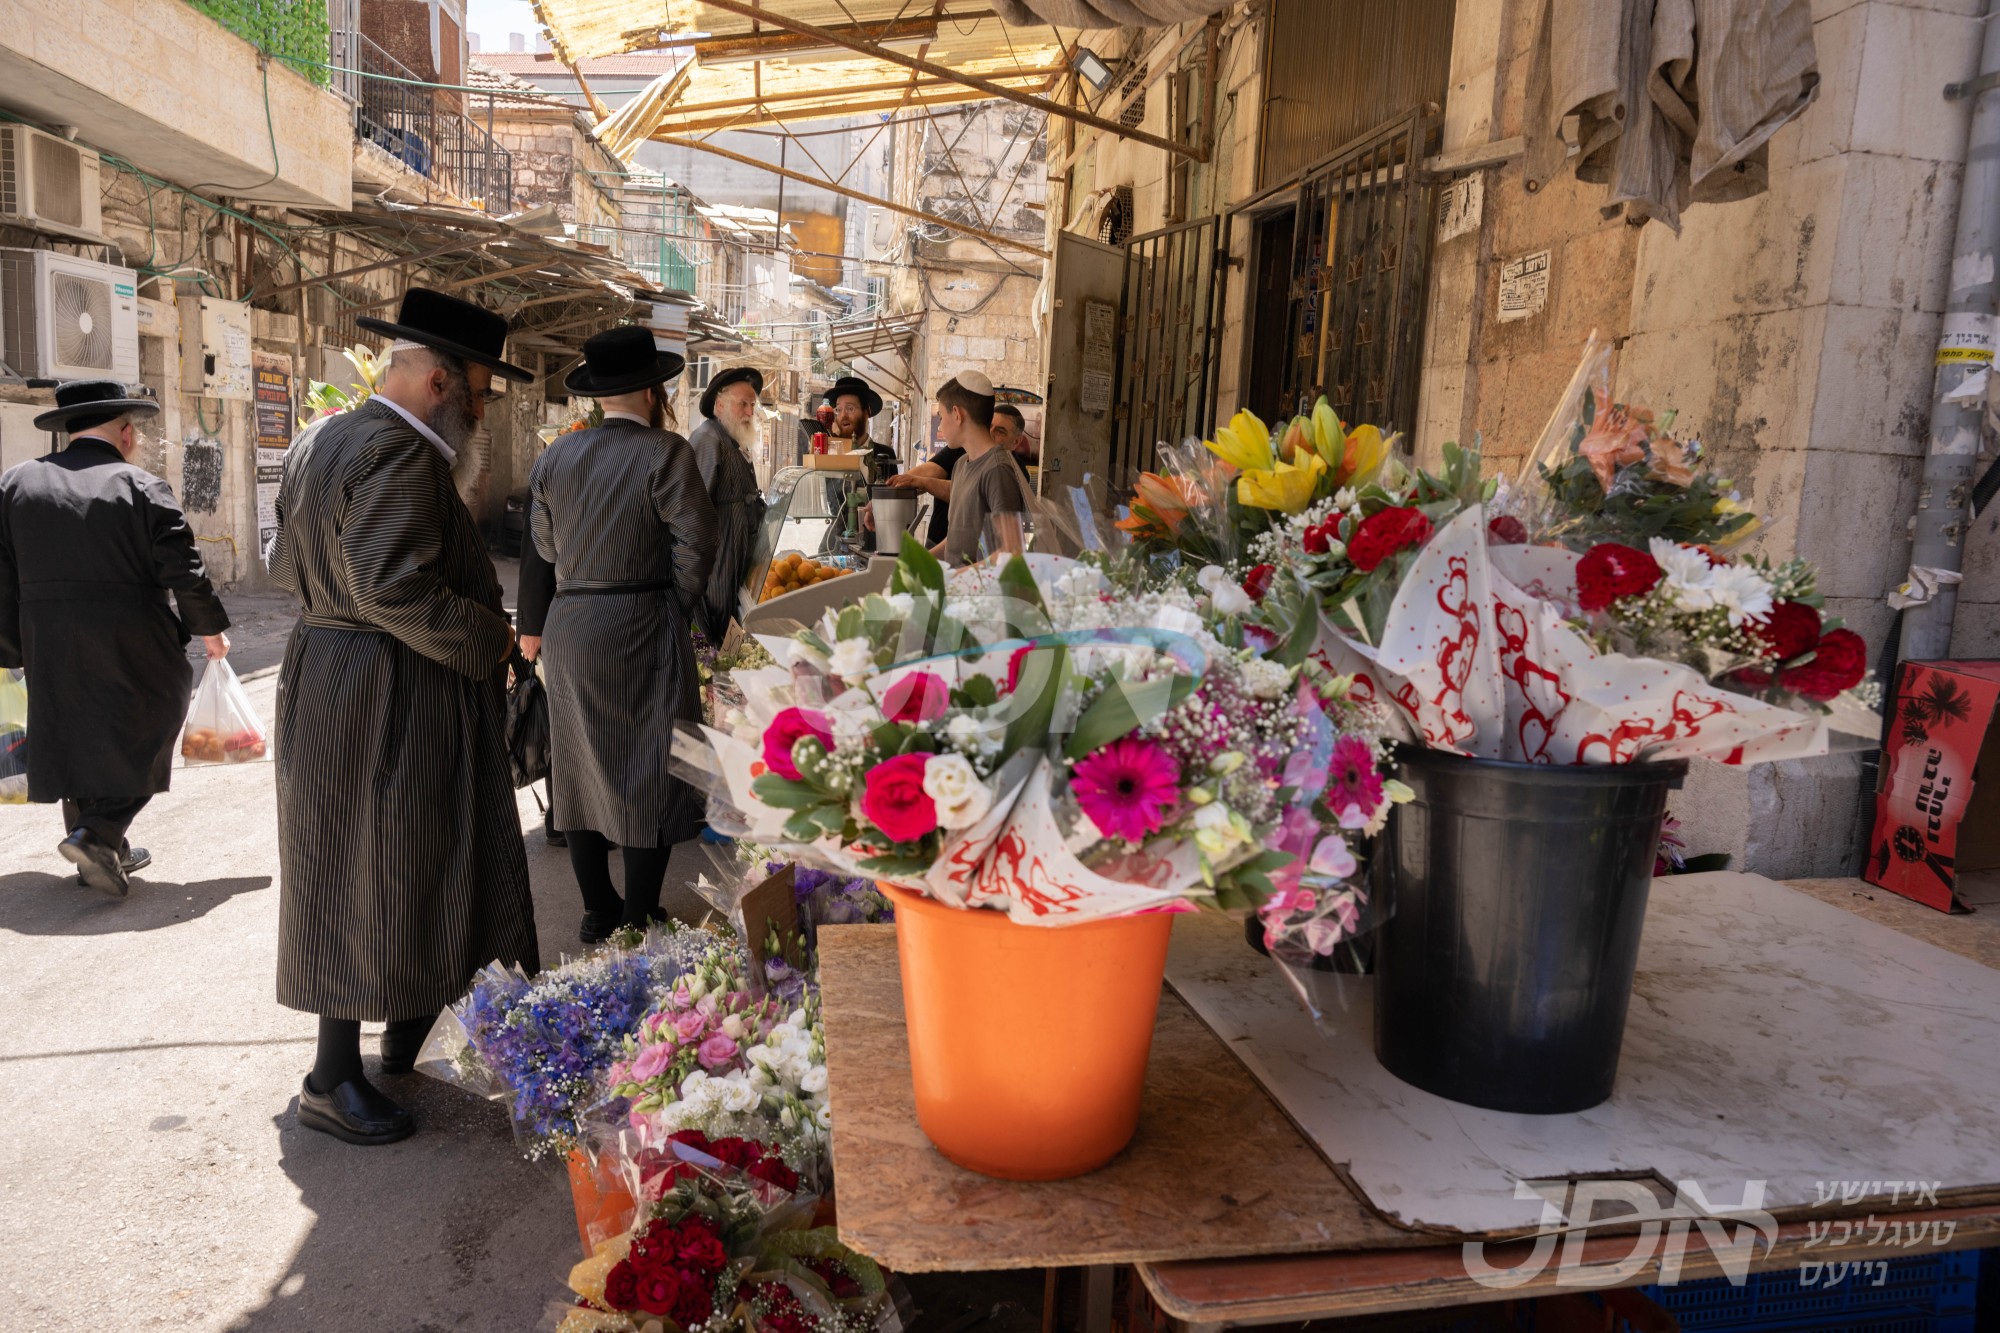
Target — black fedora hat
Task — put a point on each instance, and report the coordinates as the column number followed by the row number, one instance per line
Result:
column 734, row 375
column 93, row 402
column 465, row 330
column 871, row 402
column 621, row 360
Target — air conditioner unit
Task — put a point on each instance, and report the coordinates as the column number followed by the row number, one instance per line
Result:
column 67, row 318
column 48, row 182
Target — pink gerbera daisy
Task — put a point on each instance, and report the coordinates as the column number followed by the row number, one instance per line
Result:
column 1355, row 791
column 1127, row 787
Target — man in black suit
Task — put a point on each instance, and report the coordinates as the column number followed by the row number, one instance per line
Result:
column 90, row 548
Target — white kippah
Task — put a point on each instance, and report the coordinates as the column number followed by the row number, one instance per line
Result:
column 974, row 383
column 404, row 345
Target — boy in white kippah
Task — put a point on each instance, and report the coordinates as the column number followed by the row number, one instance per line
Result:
column 986, row 480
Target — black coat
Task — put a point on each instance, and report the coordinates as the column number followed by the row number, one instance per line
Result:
column 536, row 589
column 739, row 516
column 90, row 547
column 399, row 842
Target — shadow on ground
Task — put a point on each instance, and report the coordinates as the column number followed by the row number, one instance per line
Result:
column 32, row 903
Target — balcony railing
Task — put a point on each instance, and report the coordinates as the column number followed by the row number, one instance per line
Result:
column 419, row 127
column 664, row 263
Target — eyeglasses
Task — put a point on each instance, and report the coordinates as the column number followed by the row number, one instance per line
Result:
column 491, row 396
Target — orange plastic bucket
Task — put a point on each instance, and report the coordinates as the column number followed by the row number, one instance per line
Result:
column 1028, row 1044
column 604, row 1205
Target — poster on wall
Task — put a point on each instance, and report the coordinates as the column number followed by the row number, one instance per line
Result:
column 272, row 424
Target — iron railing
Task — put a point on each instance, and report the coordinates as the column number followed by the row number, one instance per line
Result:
column 420, row 127
column 1170, row 326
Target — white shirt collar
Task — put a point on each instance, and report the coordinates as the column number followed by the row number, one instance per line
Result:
column 450, row 454
column 629, row 416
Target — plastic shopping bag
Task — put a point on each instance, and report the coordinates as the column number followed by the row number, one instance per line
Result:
column 222, row 727
column 13, row 738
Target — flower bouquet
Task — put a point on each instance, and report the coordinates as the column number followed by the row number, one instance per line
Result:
column 725, row 1245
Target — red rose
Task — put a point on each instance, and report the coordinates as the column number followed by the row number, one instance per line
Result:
column 787, row 729
column 693, row 1138
column 1316, row 538
column 920, row 696
column 773, row 1171
column 1791, row 628
column 739, row 1153
column 1506, row 530
column 1380, row 536
column 659, row 1290
column 693, row 1306
column 621, row 1287
column 1258, row 581
column 1610, row 572
column 894, row 799
column 700, row 1250
column 1839, row 662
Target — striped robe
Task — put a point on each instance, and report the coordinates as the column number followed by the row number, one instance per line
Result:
column 739, row 514
column 399, row 841
column 617, row 506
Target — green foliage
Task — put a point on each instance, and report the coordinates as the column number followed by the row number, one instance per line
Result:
column 294, row 31
column 1638, row 507
column 1124, row 707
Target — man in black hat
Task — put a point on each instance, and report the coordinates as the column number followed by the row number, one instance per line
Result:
column 722, row 445
column 90, row 546
column 398, row 838
column 621, row 511
column 854, row 404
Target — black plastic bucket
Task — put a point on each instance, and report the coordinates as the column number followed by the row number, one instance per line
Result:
column 1503, row 977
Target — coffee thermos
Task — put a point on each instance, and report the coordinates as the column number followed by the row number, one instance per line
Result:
column 895, row 508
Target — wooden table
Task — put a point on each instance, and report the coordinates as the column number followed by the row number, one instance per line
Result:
column 1230, row 1216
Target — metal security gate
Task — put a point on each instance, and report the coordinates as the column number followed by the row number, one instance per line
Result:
column 1360, row 262
column 1170, row 327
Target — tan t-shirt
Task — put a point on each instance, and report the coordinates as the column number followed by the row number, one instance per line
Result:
column 988, row 484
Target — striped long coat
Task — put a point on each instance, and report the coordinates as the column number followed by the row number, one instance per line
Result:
column 399, row 840
column 622, row 513
column 739, row 515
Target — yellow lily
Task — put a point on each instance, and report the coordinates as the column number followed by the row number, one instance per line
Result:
column 1328, row 433
column 1362, row 454
column 1727, row 507
column 1244, row 444
column 1287, row 487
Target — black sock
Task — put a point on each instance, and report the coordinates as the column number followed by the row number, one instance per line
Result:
column 338, row 1059
column 645, row 871
column 408, row 1033
column 590, row 862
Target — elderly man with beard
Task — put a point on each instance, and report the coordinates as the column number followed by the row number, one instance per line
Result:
column 398, row 838
column 722, row 445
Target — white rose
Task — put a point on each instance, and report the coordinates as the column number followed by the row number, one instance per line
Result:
column 740, row 1097
column 1211, row 577
column 815, row 1079
column 1229, row 600
column 960, row 797
column 851, row 658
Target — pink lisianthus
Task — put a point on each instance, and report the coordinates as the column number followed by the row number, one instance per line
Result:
column 1355, row 791
column 689, row 1024
column 787, row 729
column 649, row 1063
column 919, row 697
column 717, row 1052
column 894, row 799
column 1128, row 787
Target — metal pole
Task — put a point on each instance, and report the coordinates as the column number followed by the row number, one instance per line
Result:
column 1965, row 349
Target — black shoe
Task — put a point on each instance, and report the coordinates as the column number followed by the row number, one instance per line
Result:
column 134, row 859
column 97, row 865
column 598, row 927
column 355, row 1112
column 401, row 1041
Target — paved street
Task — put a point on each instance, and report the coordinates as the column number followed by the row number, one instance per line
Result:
column 155, row 1176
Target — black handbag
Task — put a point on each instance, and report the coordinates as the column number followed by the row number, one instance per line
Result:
column 527, row 724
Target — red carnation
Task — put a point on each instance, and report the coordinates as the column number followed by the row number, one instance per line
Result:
column 1839, row 662
column 698, row 1248
column 693, row 1306
column 1791, row 628
column 773, row 1171
column 739, row 1153
column 1258, row 581
column 1610, row 572
column 693, row 1138
column 1506, row 530
column 1316, row 539
column 1380, row 536
column 659, row 1289
column 621, row 1287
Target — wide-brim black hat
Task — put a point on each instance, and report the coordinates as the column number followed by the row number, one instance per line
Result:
column 734, row 375
column 857, row 386
column 622, row 360
column 470, row 332
column 103, row 399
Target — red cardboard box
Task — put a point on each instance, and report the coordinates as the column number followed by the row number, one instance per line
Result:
column 1934, row 818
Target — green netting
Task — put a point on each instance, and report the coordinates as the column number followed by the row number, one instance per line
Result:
column 294, row 31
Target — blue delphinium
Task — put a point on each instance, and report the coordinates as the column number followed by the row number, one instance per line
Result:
column 829, row 899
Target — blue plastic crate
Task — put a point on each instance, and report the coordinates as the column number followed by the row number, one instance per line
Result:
column 1928, row 1293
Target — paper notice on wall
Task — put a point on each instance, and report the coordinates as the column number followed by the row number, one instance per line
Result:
column 1100, row 327
column 1966, row 337
column 1524, row 286
column 270, row 471
column 272, row 384
column 1094, row 391
column 1459, row 207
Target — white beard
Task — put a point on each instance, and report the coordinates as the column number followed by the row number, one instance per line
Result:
column 744, row 433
